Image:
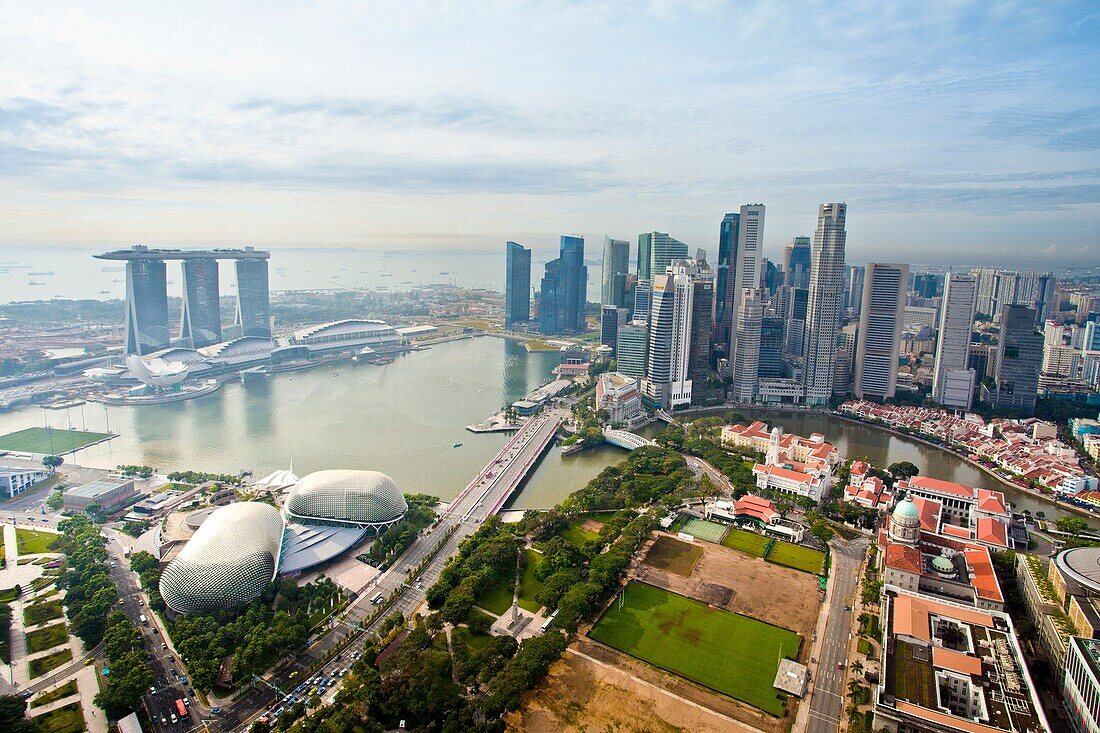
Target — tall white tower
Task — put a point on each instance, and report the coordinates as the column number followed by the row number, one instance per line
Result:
column 823, row 306
column 748, row 261
column 668, row 381
column 880, row 325
column 952, row 379
column 772, row 458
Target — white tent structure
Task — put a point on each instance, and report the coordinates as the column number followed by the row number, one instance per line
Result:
column 277, row 481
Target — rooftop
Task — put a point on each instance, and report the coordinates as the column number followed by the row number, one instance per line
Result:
column 957, row 667
column 98, row 487
column 141, row 252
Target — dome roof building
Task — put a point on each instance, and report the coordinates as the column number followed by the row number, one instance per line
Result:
column 905, row 522
column 229, row 560
column 349, row 498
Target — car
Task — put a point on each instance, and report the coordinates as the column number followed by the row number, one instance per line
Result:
column 152, row 690
column 89, row 661
column 163, row 720
column 172, row 670
column 183, row 680
column 840, row 665
column 156, row 630
column 174, row 718
column 121, row 601
column 163, row 645
column 216, row 711
column 186, row 702
column 26, row 693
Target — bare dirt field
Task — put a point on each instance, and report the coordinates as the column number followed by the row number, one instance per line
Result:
column 583, row 694
column 673, row 556
column 732, row 580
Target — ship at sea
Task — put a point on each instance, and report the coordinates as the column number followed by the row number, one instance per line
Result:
column 45, row 273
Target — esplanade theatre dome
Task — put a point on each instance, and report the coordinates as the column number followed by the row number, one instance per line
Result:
column 356, row 498
column 229, row 560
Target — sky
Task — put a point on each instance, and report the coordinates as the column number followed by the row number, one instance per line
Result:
column 956, row 132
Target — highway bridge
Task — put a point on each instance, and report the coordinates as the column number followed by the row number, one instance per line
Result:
column 481, row 498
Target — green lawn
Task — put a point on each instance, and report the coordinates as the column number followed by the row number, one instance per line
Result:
column 795, row 556
column 675, row 556
column 69, row 688
column 47, row 638
column 747, row 542
column 50, row 662
column 30, row 541
column 704, row 530
column 52, row 440
column 66, row 719
column 38, row 613
column 577, row 536
column 7, row 594
column 732, row 654
column 498, row 598
column 473, row 642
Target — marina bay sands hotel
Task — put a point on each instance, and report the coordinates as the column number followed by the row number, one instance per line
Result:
column 200, row 319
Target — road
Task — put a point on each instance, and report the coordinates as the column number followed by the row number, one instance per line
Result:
column 702, row 468
column 827, row 701
column 481, row 498
column 161, row 704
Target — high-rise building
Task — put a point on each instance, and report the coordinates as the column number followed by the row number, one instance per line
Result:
column 517, row 285
column 611, row 318
column 881, row 320
column 987, row 291
column 643, row 297
column 146, row 306
column 746, row 360
column 562, row 299
column 796, row 262
column 667, row 383
column 253, row 304
column 748, row 268
column 853, row 289
column 952, row 378
column 616, row 265
column 1019, row 359
column 632, row 349
column 1081, row 682
column 702, row 331
column 656, row 251
column 201, row 315
column 795, row 323
column 771, row 348
column 723, row 295
column 928, row 284
column 823, row 305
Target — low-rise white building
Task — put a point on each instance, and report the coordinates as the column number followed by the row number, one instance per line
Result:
column 619, row 395
column 14, row 481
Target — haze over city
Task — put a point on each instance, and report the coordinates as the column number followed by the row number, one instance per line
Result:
column 954, row 132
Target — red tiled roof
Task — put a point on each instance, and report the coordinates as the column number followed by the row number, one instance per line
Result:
column 944, row 487
column 929, row 513
column 954, row 530
column 992, row 532
column 991, row 501
column 780, row 472
column 859, row 467
column 903, row 557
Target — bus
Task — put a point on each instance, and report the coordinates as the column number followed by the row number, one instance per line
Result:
column 144, row 621
column 126, row 552
column 181, row 708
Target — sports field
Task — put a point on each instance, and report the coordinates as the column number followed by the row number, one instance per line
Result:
column 801, row 558
column 674, row 556
column 704, row 530
column 726, row 652
column 49, row 440
column 747, row 542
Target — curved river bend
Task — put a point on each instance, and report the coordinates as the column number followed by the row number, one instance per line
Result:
column 403, row 419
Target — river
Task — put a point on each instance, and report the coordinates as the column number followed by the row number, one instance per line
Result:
column 403, row 419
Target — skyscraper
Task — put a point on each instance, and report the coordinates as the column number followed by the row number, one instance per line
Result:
column 952, row 377
column 146, row 306
column 517, row 285
column 656, row 251
column 1019, row 358
column 880, row 323
column 749, row 260
column 551, row 307
column 616, row 265
column 201, row 315
column 853, row 289
column 824, row 303
column 746, row 366
column 723, row 296
column 562, row 293
column 796, row 262
column 771, row 348
column 702, row 332
column 611, row 319
column 632, row 349
column 667, row 382
column 795, row 324
column 643, row 296
column 253, row 305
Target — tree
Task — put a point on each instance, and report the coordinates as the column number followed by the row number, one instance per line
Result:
column 1072, row 525
column 903, row 470
column 13, row 711
column 52, row 462
column 55, row 500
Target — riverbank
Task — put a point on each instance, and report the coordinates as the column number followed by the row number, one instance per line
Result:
column 967, row 459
